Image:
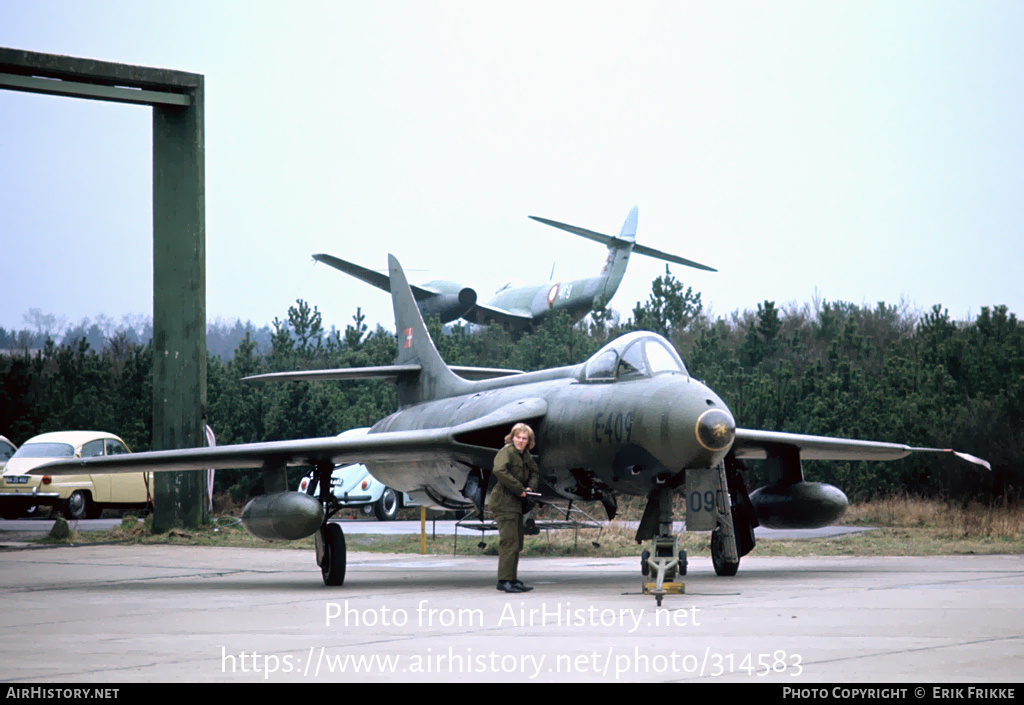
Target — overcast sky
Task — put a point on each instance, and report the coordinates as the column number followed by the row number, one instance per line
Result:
column 856, row 151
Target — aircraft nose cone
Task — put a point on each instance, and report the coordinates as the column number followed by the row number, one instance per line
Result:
column 715, row 430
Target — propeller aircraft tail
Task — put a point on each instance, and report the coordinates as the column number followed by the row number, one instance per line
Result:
column 619, row 250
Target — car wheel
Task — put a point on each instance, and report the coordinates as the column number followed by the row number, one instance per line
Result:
column 78, row 505
column 386, row 508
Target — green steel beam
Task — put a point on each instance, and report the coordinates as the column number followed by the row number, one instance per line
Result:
column 73, row 89
column 179, row 306
column 179, row 245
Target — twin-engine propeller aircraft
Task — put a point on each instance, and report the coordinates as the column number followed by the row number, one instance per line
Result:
column 630, row 420
column 520, row 307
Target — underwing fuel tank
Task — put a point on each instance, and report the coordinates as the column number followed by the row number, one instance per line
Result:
column 799, row 505
column 283, row 516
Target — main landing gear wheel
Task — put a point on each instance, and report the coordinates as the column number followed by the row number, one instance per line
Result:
column 331, row 553
column 722, row 566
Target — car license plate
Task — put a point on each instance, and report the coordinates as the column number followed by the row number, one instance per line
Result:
column 16, row 479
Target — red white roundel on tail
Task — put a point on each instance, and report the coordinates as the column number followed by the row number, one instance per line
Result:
column 408, row 337
column 553, row 294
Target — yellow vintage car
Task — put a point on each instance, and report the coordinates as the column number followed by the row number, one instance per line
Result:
column 77, row 496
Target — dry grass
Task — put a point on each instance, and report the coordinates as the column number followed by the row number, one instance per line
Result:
column 902, row 527
column 952, row 519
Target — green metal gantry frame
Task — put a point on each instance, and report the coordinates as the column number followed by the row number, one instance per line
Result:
column 179, row 245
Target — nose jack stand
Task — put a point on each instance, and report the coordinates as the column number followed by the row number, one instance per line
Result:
column 665, row 561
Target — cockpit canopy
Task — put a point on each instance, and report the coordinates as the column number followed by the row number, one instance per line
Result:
column 510, row 284
column 634, row 355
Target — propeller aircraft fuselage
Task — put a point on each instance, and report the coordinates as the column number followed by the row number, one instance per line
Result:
column 631, row 420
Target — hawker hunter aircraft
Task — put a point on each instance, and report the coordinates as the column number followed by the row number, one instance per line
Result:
column 631, row 420
column 520, row 307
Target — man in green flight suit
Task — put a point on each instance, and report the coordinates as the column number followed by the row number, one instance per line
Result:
column 515, row 472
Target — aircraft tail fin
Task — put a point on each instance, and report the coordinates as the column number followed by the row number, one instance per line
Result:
column 434, row 380
column 619, row 250
column 626, row 238
column 627, row 233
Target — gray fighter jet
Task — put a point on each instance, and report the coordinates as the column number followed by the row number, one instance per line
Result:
column 631, row 420
column 519, row 307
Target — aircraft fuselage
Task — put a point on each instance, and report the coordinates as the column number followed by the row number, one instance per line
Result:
column 596, row 438
column 574, row 297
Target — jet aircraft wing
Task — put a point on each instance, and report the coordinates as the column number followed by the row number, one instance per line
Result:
column 381, row 281
column 398, row 445
column 676, row 259
column 757, row 445
column 463, row 442
column 389, row 372
column 483, row 315
column 608, row 240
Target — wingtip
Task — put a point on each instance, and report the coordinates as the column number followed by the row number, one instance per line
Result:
column 963, row 456
column 972, row 459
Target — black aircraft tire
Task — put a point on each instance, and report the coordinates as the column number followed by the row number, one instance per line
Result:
column 335, row 556
column 722, row 567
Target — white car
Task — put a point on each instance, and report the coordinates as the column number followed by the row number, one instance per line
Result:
column 6, row 451
column 354, row 486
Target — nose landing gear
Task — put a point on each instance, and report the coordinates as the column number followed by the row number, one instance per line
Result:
column 664, row 561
